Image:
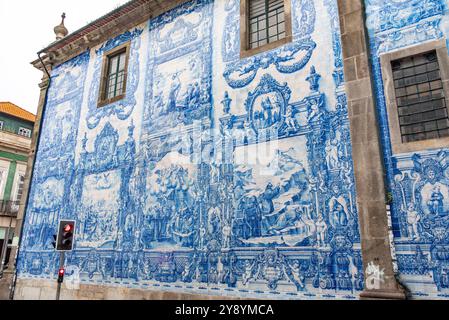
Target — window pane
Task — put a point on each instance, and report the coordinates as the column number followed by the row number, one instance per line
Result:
column 443, row 133
column 281, row 17
column 113, row 64
column 281, row 27
column 253, row 37
column 420, row 69
column 271, row 21
column 122, row 61
column 253, row 27
column 272, row 32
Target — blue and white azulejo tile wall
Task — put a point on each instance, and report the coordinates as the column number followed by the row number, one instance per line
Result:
column 214, row 175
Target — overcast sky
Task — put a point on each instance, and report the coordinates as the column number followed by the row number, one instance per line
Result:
column 26, row 26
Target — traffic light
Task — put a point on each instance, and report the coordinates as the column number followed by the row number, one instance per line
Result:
column 65, row 236
column 61, row 274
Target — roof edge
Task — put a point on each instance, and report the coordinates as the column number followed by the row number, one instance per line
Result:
column 97, row 21
column 27, row 114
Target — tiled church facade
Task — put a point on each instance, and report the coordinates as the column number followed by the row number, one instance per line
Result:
column 222, row 176
column 414, row 177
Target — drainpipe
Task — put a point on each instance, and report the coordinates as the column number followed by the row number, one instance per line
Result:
column 19, row 227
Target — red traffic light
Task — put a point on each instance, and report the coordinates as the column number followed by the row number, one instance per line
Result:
column 65, row 236
column 61, row 275
column 68, row 228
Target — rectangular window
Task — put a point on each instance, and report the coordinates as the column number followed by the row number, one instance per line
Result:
column 24, row 132
column 18, row 194
column 265, row 25
column 114, row 75
column 266, row 22
column 1, row 125
column 416, row 90
column 420, row 97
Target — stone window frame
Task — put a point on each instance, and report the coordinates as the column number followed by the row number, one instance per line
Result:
column 245, row 50
column 398, row 146
column 102, row 100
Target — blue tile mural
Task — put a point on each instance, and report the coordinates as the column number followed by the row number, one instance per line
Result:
column 215, row 175
column 418, row 181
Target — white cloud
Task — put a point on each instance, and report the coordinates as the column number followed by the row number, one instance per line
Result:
column 25, row 28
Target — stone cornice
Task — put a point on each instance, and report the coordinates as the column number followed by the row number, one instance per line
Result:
column 125, row 17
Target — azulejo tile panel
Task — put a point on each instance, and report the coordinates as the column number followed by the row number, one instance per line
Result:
column 417, row 181
column 214, row 175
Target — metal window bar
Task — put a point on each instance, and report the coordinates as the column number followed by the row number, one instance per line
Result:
column 266, row 22
column 421, row 103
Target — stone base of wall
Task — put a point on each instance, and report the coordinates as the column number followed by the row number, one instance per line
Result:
column 46, row 290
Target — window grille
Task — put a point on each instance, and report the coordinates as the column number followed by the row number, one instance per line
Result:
column 266, row 22
column 420, row 98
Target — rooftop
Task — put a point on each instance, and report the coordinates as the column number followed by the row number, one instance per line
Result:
column 16, row 111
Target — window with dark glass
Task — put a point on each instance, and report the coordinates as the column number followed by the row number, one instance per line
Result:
column 420, row 98
column 266, row 20
column 116, row 75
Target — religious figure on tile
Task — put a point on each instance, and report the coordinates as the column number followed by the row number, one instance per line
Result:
column 315, row 113
column 174, row 92
column 435, row 204
column 413, row 219
column 339, row 215
column 332, row 154
column 321, row 230
column 290, row 121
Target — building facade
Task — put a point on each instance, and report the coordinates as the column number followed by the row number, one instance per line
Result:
column 416, row 170
column 244, row 149
column 16, row 127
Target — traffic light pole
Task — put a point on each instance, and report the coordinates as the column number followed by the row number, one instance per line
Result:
column 61, row 266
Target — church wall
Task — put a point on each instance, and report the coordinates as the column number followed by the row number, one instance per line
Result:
column 215, row 175
column 418, row 210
